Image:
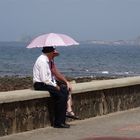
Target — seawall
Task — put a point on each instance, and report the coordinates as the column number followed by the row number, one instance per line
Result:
column 24, row 110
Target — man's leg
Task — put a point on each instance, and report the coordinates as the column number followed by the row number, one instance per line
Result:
column 60, row 101
column 65, row 93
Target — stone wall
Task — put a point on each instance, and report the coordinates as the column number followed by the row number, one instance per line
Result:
column 26, row 110
column 101, row 102
column 24, row 115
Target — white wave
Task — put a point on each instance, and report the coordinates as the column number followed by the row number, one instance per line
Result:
column 105, row 72
column 122, row 73
column 126, row 72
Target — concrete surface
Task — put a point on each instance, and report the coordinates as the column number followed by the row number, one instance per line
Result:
column 120, row 124
column 28, row 94
column 105, row 84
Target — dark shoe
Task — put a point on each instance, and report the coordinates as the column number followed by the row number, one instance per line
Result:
column 62, row 126
column 70, row 115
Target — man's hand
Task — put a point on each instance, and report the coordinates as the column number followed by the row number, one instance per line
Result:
column 57, row 87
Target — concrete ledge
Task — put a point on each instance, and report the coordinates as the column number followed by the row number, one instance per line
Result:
column 28, row 94
column 105, row 84
column 22, row 95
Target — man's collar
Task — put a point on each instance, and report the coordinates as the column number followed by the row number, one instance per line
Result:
column 47, row 59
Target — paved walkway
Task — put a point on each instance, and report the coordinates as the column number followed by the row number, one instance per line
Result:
column 120, row 124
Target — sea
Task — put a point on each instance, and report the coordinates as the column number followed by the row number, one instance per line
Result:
column 84, row 60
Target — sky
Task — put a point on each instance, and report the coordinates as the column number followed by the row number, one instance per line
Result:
column 80, row 19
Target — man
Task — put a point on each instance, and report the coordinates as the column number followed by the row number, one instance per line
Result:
column 44, row 80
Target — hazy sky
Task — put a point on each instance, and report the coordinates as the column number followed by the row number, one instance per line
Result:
column 81, row 19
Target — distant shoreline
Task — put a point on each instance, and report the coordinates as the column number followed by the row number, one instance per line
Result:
column 131, row 42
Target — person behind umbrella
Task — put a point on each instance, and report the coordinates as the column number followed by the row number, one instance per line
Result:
column 62, row 80
column 44, row 80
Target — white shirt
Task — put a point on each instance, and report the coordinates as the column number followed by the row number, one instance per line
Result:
column 42, row 72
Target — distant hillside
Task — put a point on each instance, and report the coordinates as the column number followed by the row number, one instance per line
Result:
column 135, row 42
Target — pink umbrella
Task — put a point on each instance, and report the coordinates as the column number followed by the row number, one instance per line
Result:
column 52, row 39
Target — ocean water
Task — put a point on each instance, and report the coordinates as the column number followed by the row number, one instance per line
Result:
column 74, row 61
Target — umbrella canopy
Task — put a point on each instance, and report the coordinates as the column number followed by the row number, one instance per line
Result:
column 52, row 39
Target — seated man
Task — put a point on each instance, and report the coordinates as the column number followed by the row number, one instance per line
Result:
column 44, row 79
column 45, row 74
